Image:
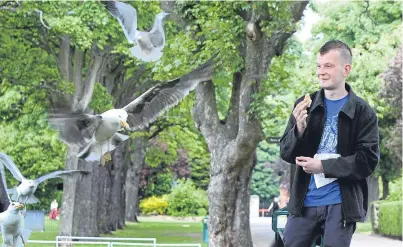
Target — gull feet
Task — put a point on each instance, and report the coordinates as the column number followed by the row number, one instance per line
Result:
column 106, row 158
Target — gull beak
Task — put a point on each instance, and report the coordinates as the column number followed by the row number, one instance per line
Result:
column 20, row 206
column 124, row 124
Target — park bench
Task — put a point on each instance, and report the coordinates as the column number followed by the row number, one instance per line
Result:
column 279, row 219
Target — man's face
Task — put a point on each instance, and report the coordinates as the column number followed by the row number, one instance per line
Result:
column 331, row 70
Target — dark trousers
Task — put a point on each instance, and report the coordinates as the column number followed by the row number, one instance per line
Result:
column 301, row 231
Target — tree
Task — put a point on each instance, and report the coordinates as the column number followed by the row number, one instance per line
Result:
column 391, row 124
column 27, row 138
column 232, row 141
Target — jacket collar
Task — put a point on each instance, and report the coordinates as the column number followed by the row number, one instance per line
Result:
column 349, row 106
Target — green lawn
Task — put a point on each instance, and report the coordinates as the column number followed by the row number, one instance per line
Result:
column 164, row 232
column 365, row 227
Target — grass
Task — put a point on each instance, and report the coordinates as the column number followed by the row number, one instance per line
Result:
column 164, row 232
column 365, row 227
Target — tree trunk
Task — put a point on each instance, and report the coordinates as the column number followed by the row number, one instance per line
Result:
column 228, row 197
column 104, row 195
column 79, row 204
column 133, row 176
column 116, row 200
column 385, row 187
column 373, row 193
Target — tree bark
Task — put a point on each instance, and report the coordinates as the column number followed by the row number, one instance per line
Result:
column 133, row 176
column 385, row 187
column 373, row 193
column 104, row 195
column 80, row 193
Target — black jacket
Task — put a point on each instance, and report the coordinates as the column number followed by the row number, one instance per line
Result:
column 358, row 145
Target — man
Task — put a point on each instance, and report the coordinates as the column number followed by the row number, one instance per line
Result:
column 334, row 142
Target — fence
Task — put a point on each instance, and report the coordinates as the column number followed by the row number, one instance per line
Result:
column 140, row 241
column 38, row 221
column 52, row 243
column 154, row 245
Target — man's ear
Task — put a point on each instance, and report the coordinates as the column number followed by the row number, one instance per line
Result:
column 347, row 69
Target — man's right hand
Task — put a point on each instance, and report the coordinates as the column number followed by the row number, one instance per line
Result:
column 300, row 114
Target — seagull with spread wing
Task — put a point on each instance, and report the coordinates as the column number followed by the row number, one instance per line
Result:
column 10, row 220
column 149, row 45
column 25, row 191
column 97, row 135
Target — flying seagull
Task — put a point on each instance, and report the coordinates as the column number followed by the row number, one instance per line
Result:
column 25, row 191
column 98, row 134
column 149, row 45
column 10, row 220
column 95, row 134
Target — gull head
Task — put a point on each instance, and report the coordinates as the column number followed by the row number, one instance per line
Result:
column 118, row 115
column 161, row 16
column 15, row 206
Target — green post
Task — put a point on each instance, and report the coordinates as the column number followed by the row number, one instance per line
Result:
column 205, row 231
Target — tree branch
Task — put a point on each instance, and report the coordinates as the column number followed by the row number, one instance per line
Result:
column 64, row 58
column 40, row 13
column 49, row 47
column 205, row 111
column 258, row 55
column 89, row 83
column 231, row 121
column 132, row 85
column 77, row 72
column 9, row 9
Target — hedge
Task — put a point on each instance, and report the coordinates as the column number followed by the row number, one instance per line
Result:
column 389, row 218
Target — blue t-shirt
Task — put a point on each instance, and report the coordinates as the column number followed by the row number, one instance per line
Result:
column 330, row 193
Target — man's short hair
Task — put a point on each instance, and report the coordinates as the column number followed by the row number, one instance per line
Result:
column 344, row 50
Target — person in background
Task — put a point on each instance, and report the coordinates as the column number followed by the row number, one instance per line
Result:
column 273, row 206
column 53, row 210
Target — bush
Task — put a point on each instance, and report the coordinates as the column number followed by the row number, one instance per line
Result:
column 159, row 184
column 389, row 218
column 395, row 189
column 154, row 205
column 186, row 200
column 201, row 212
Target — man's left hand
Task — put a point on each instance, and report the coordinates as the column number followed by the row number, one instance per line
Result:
column 309, row 165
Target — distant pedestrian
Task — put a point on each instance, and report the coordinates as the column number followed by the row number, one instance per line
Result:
column 53, row 210
column 274, row 206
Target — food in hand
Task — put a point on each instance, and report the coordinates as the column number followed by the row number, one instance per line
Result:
column 308, row 99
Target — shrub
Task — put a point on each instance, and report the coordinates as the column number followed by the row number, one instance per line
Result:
column 201, row 212
column 159, row 184
column 186, row 200
column 154, row 205
column 389, row 219
column 395, row 190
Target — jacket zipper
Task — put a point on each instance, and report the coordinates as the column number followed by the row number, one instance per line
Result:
column 307, row 187
column 341, row 191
